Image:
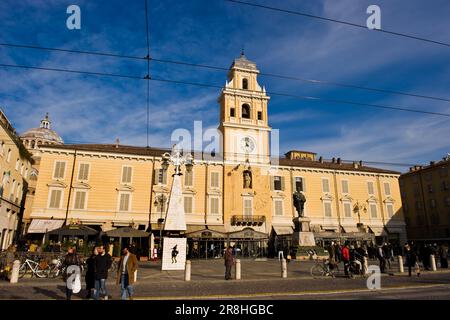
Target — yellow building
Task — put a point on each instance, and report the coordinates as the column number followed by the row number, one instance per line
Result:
column 242, row 196
column 425, row 194
column 15, row 167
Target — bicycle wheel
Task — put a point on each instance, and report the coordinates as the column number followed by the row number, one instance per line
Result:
column 42, row 273
column 317, row 271
column 23, row 270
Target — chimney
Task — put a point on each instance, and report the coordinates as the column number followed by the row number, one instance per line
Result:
column 355, row 165
column 339, row 161
column 432, row 163
column 117, row 143
column 360, row 163
column 333, row 160
column 321, row 159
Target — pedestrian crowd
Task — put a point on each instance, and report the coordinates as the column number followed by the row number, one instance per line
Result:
column 98, row 265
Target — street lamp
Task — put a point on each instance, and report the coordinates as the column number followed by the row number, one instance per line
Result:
column 177, row 159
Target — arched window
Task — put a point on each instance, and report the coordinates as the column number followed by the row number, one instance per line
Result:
column 33, row 144
column 244, row 84
column 245, row 111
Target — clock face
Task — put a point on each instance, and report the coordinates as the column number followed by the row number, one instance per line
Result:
column 247, row 144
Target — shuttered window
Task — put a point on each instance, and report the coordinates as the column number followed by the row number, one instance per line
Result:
column 214, row 205
column 325, row 185
column 124, row 201
column 370, row 189
column 188, row 175
column 327, row 208
column 278, row 204
column 160, row 176
column 80, row 200
column 214, row 180
column 248, row 207
column 373, row 210
column 345, row 186
column 126, row 174
column 299, row 184
column 347, row 209
column 83, row 172
column 188, row 201
column 387, row 189
column 55, row 199
column 390, row 210
column 60, row 168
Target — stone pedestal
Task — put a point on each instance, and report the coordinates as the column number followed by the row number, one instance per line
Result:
column 302, row 235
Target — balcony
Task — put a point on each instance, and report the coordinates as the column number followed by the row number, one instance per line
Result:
column 247, row 220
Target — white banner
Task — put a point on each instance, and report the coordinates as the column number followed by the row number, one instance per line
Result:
column 174, row 254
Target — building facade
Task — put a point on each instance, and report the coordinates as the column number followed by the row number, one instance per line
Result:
column 425, row 192
column 15, row 168
column 241, row 195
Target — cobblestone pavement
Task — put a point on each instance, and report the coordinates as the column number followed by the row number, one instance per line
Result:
column 260, row 280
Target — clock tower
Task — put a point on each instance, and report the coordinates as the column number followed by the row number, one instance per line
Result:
column 243, row 115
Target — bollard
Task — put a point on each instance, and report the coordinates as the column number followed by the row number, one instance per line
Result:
column 238, row 269
column 366, row 265
column 187, row 271
column 400, row 264
column 283, row 268
column 433, row 262
column 15, row 272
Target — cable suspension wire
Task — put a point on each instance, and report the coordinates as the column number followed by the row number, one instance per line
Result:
column 310, row 98
column 308, row 15
column 218, row 68
column 148, row 71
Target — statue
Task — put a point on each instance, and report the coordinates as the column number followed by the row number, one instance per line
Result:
column 299, row 203
column 247, row 179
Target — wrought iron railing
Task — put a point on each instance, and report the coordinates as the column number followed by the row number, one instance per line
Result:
column 247, row 220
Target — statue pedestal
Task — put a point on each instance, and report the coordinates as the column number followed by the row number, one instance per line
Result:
column 302, row 235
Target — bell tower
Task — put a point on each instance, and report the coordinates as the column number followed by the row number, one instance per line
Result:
column 243, row 115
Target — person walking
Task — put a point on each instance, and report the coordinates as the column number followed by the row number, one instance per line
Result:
column 229, row 261
column 411, row 260
column 90, row 273
column 443, row 255
column 128, row 265
column 102, row 263
column 346, row 258
column 72, row 263
column 381, row 258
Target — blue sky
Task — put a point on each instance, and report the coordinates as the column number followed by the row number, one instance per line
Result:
column 100, row 109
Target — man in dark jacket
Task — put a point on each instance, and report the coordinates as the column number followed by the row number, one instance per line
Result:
column 411, row 260
column 229, row 261
column 102, row 263
column 443, row 254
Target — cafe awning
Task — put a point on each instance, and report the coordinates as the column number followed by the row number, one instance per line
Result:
column 74, row 230
column 44, row 225
column 377, row 231
column 127, row 232
column 206, row 234
column 350, row 229
column 283, row 230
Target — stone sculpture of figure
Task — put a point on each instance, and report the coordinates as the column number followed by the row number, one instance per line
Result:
column 299, row 203
column 247, row 179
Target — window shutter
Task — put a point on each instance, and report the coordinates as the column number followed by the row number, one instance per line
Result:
column 272, row 183
column 282, row 183
column 164, row 176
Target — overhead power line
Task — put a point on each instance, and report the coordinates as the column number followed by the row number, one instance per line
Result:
column 219, row 68
column 351, row 24
column 148, row 71
column 310, row 98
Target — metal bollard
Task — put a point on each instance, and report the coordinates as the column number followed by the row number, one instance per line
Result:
column 433, row 262
column 400, row 264
column 187, row 271
column 238, row 269
column 283, row 268
column 15, row 272
column 366, row 265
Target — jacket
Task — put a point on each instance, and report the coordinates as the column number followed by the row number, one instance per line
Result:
column 229, row 260
column 345, row 254
column 72, row 259
column 132, row 265
column 102, row 263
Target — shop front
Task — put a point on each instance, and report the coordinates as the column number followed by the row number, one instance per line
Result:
column 206, row 244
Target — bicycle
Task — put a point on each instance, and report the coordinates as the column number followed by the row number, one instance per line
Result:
column 40, row 269
column 324, row 268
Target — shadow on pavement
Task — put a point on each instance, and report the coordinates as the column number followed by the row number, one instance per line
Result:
column 50, row 293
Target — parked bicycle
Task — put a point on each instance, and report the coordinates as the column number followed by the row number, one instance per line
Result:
column 37, row 268
column 324, row 268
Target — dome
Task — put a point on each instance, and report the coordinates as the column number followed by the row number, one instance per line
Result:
column 42, row 135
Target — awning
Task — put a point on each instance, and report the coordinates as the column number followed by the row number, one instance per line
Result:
column 44, row 226
column 283, row 230
column 395, row 230
column 377, row 231
column 206, row 234
column 74, row 230
column 127, row 232
column 248, row 233
column 350, row 229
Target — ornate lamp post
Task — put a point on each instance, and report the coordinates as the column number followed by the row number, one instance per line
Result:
column 177, row 159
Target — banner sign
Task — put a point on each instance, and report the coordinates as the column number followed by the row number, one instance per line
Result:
column 174, row 254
